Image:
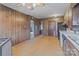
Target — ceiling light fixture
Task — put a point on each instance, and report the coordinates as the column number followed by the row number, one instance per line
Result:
column 31, row 5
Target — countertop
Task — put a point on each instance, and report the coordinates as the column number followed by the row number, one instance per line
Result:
column 72, row 37
column 3, row 41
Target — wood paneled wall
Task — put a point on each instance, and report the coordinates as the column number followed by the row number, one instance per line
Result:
column 14, row 25
column 37, row 26
column 52, row 19
column 45, row 27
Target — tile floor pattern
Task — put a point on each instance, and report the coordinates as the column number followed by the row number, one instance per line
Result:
column 40, row 46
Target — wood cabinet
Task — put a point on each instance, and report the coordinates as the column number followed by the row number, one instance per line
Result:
column 68, row 17
column 69, row 49
column 75, row 13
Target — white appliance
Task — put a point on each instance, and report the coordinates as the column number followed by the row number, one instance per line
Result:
column 5, row 47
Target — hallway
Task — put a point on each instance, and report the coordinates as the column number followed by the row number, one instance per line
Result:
column 40, row 46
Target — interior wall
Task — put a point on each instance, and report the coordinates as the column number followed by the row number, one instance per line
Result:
column 52, row 19
column 14, row 25
column 45, row 27
column 37, row 26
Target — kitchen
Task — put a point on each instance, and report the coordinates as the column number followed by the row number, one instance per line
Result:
column 69, row 39
column 17, row 28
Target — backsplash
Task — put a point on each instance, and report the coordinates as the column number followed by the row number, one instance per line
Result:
column 75, row 27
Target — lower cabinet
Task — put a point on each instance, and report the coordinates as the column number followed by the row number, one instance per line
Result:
column 69, row 48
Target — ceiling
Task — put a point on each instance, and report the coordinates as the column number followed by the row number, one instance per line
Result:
column 49, row 10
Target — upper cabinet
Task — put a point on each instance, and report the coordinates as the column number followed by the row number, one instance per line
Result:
column 68, row 17
column 75, row 13
column 71, row 16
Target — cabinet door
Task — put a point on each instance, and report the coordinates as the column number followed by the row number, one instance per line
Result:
column 72, row 51
column 68, row 49
column 76, row 15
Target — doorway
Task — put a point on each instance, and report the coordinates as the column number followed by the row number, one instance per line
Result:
column 41, row 28
column 31, row 29
column 52, row 28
